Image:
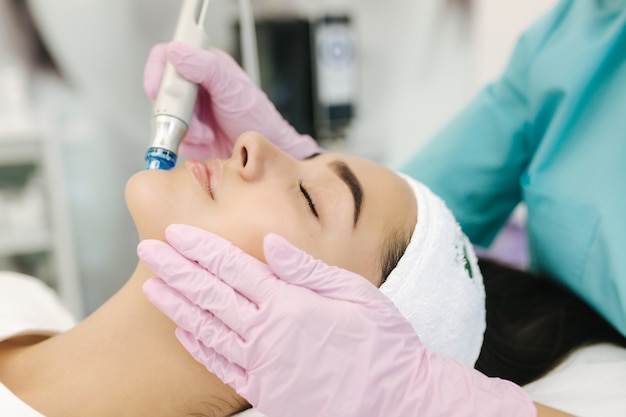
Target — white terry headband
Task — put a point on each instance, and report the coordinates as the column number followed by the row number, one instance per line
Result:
column 437, row 285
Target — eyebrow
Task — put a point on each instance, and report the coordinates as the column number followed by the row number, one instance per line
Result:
column 346, row 174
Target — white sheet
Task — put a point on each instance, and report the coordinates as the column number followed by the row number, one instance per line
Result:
column 590, row 383
column 27, row 306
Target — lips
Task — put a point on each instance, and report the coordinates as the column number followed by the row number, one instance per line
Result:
column 204, row 173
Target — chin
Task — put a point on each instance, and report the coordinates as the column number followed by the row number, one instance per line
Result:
column 145, row 193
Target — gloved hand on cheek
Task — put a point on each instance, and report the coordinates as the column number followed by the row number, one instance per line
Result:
column 298, row 337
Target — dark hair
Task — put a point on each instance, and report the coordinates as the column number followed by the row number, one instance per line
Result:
column 533, row 323
column 394, row 245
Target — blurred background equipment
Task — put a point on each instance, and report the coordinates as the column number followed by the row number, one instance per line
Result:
column 285, row 69
column 336, row 78
column 308, row 69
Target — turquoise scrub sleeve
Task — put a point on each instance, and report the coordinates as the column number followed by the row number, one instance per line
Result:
column 551, row 132
column 476, row 162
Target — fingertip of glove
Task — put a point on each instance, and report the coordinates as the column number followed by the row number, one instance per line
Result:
column 275, row 246
column 282, row 255
column 177, row 232
column 151, row 288
column 147, row 246
column 187, row 239
column 186, row 339
column 182, row 236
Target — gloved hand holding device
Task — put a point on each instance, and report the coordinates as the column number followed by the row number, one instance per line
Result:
column 298, row 337
column 228, row 103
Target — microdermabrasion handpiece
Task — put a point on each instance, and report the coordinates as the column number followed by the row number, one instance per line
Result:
column 176, row 100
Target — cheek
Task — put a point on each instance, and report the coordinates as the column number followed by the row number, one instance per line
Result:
column 246, row 229
column 353, row 254
column 247, row 217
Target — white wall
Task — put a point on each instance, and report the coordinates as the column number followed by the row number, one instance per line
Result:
column 416, row 70
column 498, row 23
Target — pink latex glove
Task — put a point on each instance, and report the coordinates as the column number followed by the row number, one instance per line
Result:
column 296, row 337
column 228, row 104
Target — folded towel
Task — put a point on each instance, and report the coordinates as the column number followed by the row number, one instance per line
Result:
column 437, row 284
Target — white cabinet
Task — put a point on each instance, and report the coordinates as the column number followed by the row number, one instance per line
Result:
column 35, row 231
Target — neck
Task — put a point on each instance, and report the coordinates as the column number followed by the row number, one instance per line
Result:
column 123, row 360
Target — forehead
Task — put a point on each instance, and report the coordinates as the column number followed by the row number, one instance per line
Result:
column 388, row 206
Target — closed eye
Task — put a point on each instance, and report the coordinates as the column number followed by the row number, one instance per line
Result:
column 308, row 199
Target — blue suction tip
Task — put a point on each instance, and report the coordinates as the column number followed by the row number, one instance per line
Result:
column 160, row 158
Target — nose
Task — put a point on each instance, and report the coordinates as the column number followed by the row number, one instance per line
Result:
column 254, row 155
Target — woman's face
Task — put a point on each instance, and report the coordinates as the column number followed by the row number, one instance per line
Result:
column 337, row 208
